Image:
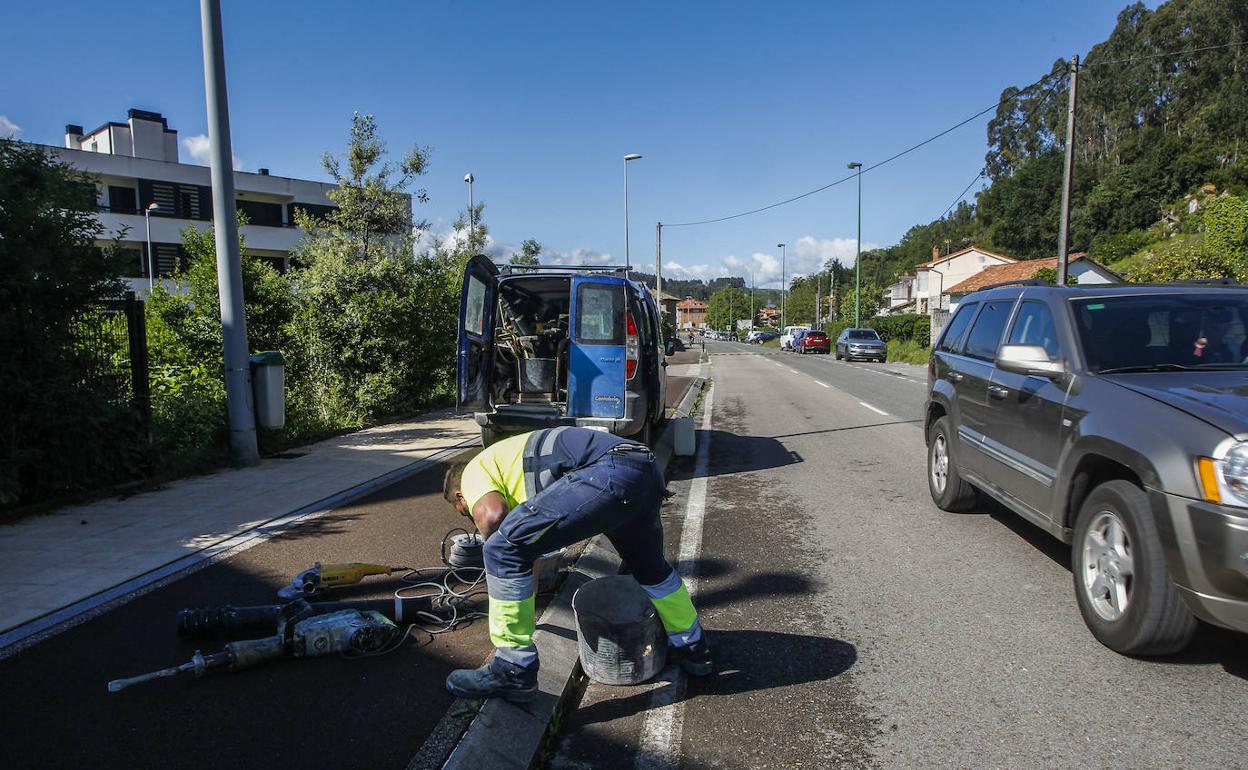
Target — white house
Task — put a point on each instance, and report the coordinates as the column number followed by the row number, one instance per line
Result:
column 1080, row 268
column 136, row 165
column 899, row 296
column 933, row 279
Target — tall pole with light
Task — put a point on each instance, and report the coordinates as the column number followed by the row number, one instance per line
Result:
column 858, row 245
column 627, row 259
column 472, row 214
column 783, row 286
column 238, row 397
column 151, row 260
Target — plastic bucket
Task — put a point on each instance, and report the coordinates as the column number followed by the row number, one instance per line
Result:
column 537, row 375
column 619, row 634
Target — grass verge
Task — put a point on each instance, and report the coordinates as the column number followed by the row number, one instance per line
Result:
column 908, row 352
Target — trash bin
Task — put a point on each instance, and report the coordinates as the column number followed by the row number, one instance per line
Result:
column 268, row 388
column 618, row 631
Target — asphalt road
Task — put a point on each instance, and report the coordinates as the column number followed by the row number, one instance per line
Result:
column 857, row 625
column 313, row 713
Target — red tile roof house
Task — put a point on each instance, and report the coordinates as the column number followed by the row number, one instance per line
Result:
column 1080, row 268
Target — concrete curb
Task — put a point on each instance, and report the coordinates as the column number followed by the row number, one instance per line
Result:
column 512, row 736
column 32, row 632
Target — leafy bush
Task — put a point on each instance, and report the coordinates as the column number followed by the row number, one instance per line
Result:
column 59, row 435
column 903, row 328
column 908, row 352
column 1182, row 260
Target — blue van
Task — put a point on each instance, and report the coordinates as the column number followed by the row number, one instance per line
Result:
column 547, row 345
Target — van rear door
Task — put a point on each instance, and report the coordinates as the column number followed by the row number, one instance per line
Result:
column 596, row 357
column 477, row 303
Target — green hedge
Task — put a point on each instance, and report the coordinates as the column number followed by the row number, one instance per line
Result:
column 903, row 328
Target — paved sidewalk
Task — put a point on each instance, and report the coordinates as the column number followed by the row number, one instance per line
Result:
column 67, row 558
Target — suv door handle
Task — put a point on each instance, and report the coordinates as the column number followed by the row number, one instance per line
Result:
column 996, row 391
column 955, row 376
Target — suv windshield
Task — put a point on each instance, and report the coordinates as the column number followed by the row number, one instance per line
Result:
column 862, row 334
column 1163, row 332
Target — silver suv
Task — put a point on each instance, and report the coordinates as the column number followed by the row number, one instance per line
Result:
column 1115, row 418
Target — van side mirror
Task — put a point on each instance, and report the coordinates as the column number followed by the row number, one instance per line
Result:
column 1029, row 360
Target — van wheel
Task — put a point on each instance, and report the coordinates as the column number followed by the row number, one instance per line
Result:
column 1122, row 585
column 948, row 489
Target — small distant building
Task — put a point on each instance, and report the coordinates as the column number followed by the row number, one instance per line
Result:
column 668, row 303
column 691, row 314
column 769, row 316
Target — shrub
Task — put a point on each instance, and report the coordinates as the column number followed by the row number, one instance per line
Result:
column 903, row 328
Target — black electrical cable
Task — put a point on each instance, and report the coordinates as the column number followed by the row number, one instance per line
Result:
column 1165, row 55
column 890, row 159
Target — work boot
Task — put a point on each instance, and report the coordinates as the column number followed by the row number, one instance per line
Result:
column 694, row 658
column 498, row 678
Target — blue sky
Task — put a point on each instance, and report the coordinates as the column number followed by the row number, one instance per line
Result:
column 733, row 105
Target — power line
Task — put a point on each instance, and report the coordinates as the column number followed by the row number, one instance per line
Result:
column 948, row 208
column 1165, row 55
column 984, row 170
column 873, row 166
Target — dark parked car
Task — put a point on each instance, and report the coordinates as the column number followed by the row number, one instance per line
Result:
column 1115, row 418
column 812, row 342
column 861, row 343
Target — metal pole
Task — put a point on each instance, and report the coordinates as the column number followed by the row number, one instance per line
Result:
column 472, row 214
column 243, row 447
column 858, row 259
column 627, row 261
column 752, row 284
column 783, row 288
column 1068, row 173
column 151, row 261
column 658, row 264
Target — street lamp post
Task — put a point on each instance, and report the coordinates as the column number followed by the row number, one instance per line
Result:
column 151, row 260
column 627, row 259
column 472, row 216
column 752, row 285
column 783, row 286
column 858, row 245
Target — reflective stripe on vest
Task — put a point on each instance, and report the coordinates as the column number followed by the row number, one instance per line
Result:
column 537, row 451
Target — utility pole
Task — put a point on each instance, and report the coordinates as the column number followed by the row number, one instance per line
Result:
column 784, row 289
column 1068, row 173
column 858, row 244
column 818, row 286
column 238, row 397
column 658, row 264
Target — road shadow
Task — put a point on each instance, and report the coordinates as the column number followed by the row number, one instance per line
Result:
column 735, row 453
column 1211, row 645
column 745, row 661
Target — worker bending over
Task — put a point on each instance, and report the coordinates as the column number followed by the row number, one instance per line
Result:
column 538, row 492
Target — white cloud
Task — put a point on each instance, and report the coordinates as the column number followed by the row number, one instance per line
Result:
column 677, row 271
column 8, row 127
column 197, row 146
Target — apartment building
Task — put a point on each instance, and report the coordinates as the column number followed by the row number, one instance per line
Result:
column 136, row 165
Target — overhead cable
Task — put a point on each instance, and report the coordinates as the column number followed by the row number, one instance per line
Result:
column 1166, row 55
column 890, row 159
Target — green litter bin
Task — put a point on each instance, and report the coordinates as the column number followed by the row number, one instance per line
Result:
column 268, row 388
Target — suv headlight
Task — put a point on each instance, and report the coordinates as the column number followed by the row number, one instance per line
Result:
column 1225, row 480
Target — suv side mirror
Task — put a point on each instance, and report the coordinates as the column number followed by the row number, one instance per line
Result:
column 1029, row 360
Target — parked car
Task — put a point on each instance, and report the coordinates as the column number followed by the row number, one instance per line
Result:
column 758, row 337
column 1115, row 418
column 861, row 343
column 813, row 342
column 556, row 345
column 786, row 339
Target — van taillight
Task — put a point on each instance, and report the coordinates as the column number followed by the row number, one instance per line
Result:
column 631, row 348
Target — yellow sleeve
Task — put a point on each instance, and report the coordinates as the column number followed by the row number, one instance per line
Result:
column 476, row 481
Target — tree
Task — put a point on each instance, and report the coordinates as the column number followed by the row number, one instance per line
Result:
column 528, row 254
column 372, row 316
column 370, row 199
column 727, row 306
column 60, row 433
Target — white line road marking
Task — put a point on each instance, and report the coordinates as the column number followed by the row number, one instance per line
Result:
column 877, row 411
column 664, row 722
column 777, row 363
column 822, row 384
column 794, row 371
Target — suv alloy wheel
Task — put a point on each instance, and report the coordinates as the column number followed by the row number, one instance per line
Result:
column 1122, row 585
column 949, row 491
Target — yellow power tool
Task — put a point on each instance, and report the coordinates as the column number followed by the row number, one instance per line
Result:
column 319, row 576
